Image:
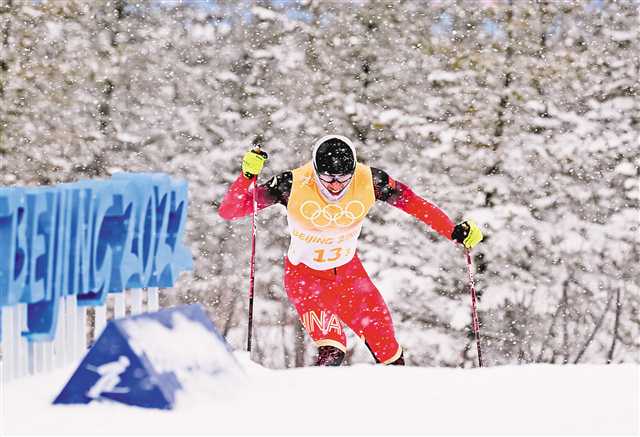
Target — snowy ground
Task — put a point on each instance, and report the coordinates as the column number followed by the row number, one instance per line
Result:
column 362, row 399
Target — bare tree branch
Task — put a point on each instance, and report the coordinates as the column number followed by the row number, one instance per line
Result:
column 616, row 325
column 595, row 329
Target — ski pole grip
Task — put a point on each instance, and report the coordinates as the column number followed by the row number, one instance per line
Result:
column 257, row 150
column 253, row 161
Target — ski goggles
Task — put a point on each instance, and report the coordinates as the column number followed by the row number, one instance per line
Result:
column 330, row 178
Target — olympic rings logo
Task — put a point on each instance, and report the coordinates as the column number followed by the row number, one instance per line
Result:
column 322, row 217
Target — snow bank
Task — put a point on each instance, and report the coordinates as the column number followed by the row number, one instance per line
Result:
column 361, row 399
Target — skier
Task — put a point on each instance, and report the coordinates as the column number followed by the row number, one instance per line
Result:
column 110, row 374
column 327, row 200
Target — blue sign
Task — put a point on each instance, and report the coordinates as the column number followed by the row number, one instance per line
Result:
column 88, row 239
column 146, row 360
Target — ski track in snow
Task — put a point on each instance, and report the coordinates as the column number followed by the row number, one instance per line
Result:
column 359, row 400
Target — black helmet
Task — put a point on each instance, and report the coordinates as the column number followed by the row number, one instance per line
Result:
column 334, row 155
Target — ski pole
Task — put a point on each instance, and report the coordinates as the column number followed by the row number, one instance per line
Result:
column 253, row 261
column 474, row 311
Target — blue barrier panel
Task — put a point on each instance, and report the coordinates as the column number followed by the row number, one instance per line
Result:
column 42, row 308
column 164, row 254
column 143, row 245
column 88, row 239
column 117, row 232
column 34, row 286
column 13, row 248
column 96, row 255
column 146, row 360
column 75, row 221
column 166, row 206
column 181, row 256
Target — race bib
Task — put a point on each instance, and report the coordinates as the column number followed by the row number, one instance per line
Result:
column 325, row 234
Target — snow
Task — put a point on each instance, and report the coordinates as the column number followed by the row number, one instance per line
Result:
column 626, row 168
column 389, row 116
column 443, row 76
column 617, row 35
column 264, row 14
column 362, row 399
column 126, row 137
column 158, row 342
column 460, row 317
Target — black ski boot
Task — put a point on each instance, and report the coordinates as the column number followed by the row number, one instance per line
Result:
column 329, row 356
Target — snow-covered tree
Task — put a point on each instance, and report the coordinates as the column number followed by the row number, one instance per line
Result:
column 521, row 115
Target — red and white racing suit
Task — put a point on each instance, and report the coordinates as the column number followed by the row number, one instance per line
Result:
column 324, row 278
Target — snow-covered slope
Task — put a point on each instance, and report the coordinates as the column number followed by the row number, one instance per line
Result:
column 361, row 399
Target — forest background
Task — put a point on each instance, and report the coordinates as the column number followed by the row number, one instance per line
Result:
column 523, row 115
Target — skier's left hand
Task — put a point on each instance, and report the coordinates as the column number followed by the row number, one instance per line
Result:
column 253, row 161
column 467, row 233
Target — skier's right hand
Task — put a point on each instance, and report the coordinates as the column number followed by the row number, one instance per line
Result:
column 467, row 233
column 253, row 161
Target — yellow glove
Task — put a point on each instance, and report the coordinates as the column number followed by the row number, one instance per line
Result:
column 467, row 233
column 253, row 161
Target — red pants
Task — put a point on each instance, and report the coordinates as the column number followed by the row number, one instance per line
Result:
column 326, row 299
